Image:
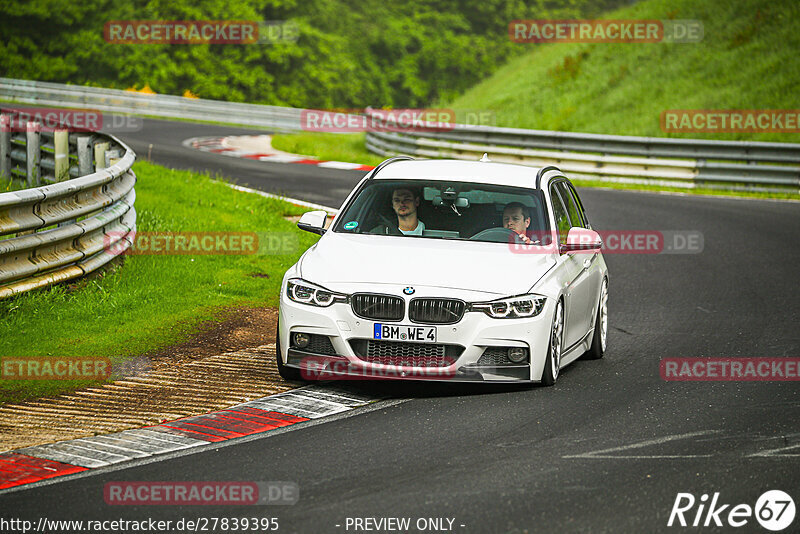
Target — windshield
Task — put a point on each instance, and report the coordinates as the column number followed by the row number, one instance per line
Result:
column 447, row 210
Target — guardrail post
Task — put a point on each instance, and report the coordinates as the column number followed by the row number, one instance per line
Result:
column 61, row 158
column 5, row 146
column 85, row 155
column 100, row 156
column 698, row 164
column 112, row 156
column 33, row 154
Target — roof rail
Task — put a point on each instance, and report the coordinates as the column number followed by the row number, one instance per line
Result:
column 384, row 163
column 541, row 173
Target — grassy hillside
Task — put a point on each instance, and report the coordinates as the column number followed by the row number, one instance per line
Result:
column 748, row 59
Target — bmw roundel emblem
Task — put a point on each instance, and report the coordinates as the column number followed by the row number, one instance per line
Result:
column 409, row 291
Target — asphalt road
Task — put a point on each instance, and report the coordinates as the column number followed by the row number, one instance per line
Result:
column 606, row 450
column 160, row 141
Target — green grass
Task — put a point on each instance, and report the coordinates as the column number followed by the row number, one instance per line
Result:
column 153, row 300
column 327, row 146
column 747, row 60
column 6, row 185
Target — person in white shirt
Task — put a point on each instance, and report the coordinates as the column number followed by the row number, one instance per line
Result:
column 404, row 203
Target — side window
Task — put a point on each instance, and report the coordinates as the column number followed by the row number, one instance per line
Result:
column 572, row 208
column 580, row 205
column 560, row 215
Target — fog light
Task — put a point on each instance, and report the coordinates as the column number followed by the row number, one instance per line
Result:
column 517, row 354
column 300, row 340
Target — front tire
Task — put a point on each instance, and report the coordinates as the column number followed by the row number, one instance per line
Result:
column 287, row 373
column 600, row 337
column 553, row 363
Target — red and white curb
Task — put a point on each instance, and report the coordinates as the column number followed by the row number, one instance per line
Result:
column 33, row 464
column 218, row 145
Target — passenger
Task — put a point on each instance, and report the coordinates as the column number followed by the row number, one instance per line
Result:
column 405, row 202
column 517, row 217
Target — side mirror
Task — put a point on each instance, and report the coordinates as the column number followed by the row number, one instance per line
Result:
column 313, row 221
column 581, row 239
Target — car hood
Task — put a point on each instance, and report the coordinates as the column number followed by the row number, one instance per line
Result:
column 342, row 262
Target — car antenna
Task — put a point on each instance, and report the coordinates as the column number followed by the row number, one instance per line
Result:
column 485, row 157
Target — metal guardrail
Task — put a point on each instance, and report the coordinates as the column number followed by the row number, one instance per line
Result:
column 688, row 163
column 167, row 106
column 70, row 227
column 738, row 165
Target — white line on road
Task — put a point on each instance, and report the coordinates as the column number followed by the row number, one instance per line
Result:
column 603, row 453
column 774, row 453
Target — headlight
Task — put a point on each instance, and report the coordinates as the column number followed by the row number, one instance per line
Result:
column 511, row 307
column 304, row 292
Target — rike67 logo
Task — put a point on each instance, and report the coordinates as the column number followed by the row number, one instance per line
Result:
column 774, row 510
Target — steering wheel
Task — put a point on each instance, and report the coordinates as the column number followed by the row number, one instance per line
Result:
column 385, row 219
column 497, row 235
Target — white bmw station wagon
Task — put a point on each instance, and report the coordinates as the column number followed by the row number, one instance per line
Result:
column 447, row 270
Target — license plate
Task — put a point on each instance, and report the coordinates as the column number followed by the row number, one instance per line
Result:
column 399, row 332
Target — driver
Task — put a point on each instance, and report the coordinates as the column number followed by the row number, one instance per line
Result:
column 405, row 202
column 517, row 218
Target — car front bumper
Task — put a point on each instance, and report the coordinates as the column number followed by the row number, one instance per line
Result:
column 475, row 333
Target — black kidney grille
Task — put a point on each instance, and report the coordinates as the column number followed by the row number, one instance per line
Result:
column 377, row 307
column 436, row 310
